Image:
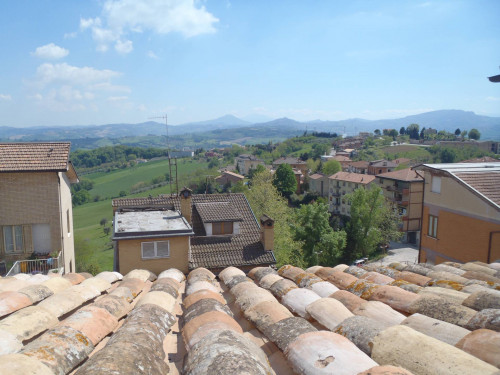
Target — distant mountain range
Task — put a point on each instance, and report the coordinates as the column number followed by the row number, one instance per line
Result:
column 240, row 131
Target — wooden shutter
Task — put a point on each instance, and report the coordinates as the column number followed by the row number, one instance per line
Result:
column 27, row 239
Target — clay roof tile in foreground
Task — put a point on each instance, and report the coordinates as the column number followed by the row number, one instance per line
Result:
column 408, row 175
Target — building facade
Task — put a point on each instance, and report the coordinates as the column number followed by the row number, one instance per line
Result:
column 404, row 188
column 342, row 183
column 35, row 199
column 246, row 162
column 461, row 213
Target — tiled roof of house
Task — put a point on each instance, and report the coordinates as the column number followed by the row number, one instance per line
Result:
column 398, row 319
column 242, row 249
column 217, row 212
column 288, row 160
column 36, row 156
column 482, row 178
column 352, row 177
column 316, row 176
column 341, row 158
column 359, row 164
column 233, row 174
column 487, row 183
column 407, row 174
column 383, row 163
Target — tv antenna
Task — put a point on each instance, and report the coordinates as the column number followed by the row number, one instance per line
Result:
column 170, row 164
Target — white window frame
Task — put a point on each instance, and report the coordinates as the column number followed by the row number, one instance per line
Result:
column 433, row 226
column 155, row 247
column 436, row 184
column 16, row 248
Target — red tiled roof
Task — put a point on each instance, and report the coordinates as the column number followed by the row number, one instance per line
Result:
column 36, row 156
column 353, row 177
column 359, row 164
column 316, row 176
column 217, row 212
column 407, row 174
column 486, row 183
column 341, row 158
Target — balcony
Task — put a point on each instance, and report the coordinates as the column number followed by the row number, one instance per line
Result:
column 38, row 266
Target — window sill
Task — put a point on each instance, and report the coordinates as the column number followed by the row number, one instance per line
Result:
column 165, row 257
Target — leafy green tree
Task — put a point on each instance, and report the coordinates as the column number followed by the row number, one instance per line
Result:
column 474, row 134
column 239, row 187
column 321, row 244
column 80, row 197
column 389, row 224
column 402, row 131
column 255, row 170
column 284, row 180
column 413, row 131
column 331, row 167
column 264, row 198
column 364, row 232
column 377, row 132
column 463, row 134
column 458, row 132
column 448, row 155
column 319, row 149
column 393, row 133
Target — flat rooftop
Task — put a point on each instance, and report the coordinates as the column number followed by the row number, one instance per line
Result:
column 158, row 223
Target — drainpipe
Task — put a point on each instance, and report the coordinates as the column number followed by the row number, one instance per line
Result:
column 61, row 220
column 421, row 216
column 489, row 245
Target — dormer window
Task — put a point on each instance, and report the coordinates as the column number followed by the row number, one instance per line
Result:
column 219, row 218
column 222, row 228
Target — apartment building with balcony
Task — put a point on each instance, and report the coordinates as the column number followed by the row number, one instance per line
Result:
column 342, row 183
column 405, row 188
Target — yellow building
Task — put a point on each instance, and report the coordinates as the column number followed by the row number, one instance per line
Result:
column 36, row 214
column 461, row 213
column 404, row 188
column 189, row 231
column 342, row 183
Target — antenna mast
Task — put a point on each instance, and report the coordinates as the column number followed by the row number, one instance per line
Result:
column 170, row 165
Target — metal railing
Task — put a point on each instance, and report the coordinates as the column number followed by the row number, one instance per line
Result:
column 36, row 266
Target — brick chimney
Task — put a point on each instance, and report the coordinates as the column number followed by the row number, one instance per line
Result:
column 267, row 232
column 186, row 206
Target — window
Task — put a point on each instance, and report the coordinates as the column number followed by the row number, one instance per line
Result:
column 13, row 238
column 436, row 184
column 223, row 227
column 156, row 249
column 433, row 225
column 67, row 221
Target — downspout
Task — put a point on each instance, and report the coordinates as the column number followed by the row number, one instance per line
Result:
column 421, row 216
column 489, row 245
column 61, row 220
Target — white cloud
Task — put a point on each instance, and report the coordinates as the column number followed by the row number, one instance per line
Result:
column 63, row 87
column 70, row 35
column 63, row 73
column 50, row 52
column 5, row 97
column 124, row 47
column 159, row 16
column 117, row 98
column 152, row 55
column 493, row 99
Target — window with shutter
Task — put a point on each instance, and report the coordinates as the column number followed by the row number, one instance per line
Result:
column 148, row 250
column 156, row 249
column 162, row 249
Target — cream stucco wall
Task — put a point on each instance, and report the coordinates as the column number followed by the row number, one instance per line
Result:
column 129, row 255
column 67, row 224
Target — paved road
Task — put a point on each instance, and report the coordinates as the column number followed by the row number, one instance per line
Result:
column 400, row 252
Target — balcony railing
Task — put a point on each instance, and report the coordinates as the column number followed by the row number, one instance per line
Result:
column 35, row 266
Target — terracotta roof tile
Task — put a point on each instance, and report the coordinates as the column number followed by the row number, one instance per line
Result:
column 407, row 174
column 217, row 212
column 486, row 183
column 353, row 177
column 49, row 156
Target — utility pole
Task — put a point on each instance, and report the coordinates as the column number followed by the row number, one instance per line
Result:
column 170, row 165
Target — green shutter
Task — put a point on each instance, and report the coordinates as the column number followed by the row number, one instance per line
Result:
column 27, row 239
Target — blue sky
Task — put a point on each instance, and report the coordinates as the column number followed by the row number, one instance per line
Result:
column 77, row 62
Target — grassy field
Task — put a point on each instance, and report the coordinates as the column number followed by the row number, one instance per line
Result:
column 92, row 246
column 109, row 185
